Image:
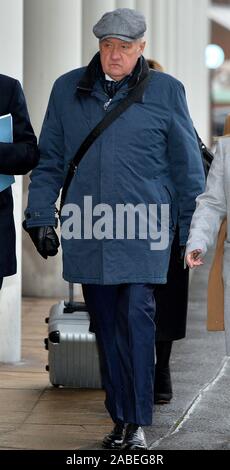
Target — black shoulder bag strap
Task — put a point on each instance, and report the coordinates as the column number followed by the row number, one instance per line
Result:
column 137, row 92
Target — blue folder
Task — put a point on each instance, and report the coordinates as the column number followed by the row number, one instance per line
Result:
column 6, row 136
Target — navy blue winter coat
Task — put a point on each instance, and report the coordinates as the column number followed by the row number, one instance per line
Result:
column 149, row 155
column 17, row 158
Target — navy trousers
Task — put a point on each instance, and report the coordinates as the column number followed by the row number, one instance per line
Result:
column 123, row 320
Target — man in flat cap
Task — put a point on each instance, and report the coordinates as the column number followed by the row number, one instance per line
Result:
column 146, row 160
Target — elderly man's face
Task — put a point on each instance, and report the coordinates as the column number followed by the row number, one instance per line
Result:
column 118, row 58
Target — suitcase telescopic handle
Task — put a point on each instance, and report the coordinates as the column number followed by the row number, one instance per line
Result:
column 71, row 306
column 71, row 292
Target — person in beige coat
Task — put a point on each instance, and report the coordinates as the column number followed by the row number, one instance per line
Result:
column 215, row 300
column 212, row 208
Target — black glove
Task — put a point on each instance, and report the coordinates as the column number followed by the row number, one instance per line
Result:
column 181, row 253
column 45, row 239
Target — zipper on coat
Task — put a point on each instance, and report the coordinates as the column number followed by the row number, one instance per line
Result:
column 107, row 103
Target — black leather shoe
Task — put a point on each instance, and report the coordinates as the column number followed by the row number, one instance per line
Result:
column 163, row 386
column 134, row 438
column 115, row 438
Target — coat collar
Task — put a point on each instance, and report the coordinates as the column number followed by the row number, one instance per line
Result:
column 91, row 75
column 94, row 72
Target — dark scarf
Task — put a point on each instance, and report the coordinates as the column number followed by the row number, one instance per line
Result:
column 111, row 86
column 94, row 72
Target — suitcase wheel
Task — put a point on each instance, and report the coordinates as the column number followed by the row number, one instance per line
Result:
column 47, row 368
column 46, row 343
column 47, row 320
column 54, row 336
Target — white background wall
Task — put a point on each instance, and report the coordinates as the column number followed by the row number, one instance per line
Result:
column 180, row 36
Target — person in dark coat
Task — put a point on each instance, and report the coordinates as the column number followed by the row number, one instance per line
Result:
column 147, row 160
column 16, row 158
column 171, row 310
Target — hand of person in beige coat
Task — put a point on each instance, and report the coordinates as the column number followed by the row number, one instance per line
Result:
column 194, row 259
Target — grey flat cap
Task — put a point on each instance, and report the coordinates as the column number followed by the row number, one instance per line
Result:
column 123, row 23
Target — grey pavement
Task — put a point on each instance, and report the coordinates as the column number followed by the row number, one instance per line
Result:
column 198, row 417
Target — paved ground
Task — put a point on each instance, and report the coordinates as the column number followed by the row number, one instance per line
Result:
column 33, row 415
column 199, row 415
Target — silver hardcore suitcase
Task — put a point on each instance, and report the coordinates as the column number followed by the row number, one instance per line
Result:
column 73, row 359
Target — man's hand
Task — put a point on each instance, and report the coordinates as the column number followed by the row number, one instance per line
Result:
column 194, row 258
column 45, row 240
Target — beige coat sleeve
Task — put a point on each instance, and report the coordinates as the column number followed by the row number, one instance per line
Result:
column 211, row 207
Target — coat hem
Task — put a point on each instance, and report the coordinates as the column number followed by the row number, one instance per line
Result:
column 7, row 273
column 134, row 280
